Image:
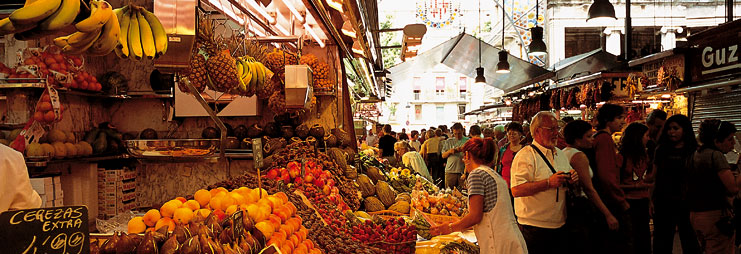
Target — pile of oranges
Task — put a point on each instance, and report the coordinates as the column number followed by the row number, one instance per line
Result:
column 45, row 112
column 273, row 215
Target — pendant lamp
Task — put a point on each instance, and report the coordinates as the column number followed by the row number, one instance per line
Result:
column 537, row 46
column 503, row 65
column 480, row 79
column 601, row 11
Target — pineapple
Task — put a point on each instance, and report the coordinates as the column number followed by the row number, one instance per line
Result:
column 196, row 73
column 222, row 72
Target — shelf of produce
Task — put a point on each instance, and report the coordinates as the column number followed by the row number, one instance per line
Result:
column 82, row 159
column 22, row 85
column 324, row 92
column 62, row 90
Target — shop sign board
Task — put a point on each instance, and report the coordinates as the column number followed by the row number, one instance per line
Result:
column 668, row 66
column 717, row 52
column 46, row 230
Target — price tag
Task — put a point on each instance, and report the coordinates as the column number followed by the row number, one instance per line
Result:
column 33, row 133
column 55, row 103
column 257, row 152
column 47, row 230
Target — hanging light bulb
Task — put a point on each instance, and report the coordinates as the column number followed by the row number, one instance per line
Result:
column 601, row 11
column 503, row 64
column 537, row 46
column 480, row 79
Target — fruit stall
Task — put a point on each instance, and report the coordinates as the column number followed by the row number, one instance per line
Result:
column 211, row 126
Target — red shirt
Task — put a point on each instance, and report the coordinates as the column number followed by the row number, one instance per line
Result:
column 607, row 171
column 507, row 159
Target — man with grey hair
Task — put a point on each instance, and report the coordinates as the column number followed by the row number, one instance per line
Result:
column 539, row 172
column 500, row 133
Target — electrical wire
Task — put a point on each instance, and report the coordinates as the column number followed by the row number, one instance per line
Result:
column 480, row 36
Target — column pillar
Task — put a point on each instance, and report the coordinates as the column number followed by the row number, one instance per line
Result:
column 669, row 37
column 612, row 44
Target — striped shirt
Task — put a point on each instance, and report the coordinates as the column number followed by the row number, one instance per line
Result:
column 481, row 183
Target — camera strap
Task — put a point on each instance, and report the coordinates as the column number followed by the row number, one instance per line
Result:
column 547, row 162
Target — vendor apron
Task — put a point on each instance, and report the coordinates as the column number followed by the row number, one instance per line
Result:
column 498, row 232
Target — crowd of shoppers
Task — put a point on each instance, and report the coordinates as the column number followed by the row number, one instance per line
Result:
column 571, row 186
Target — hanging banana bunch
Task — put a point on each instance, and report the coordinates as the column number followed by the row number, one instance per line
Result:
column 253, row 76
column 38, row 18
column 96, row 34
column 142, row 34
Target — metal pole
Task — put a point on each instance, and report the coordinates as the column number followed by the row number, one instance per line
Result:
column 628, row 31
column 729, row 10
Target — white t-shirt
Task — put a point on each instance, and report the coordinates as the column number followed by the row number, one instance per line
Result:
column 539, row 210
column 15, row 185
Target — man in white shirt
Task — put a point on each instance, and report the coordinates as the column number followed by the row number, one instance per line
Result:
column 15, row 184
column 372, row 138
column 540, row 195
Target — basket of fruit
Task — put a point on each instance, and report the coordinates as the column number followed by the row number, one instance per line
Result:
column 435, row 219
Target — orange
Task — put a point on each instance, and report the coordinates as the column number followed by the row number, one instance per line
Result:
column 265, row 228
column 151, row 217
column 38, row 116
column 256, row 213
column 257, row 192
column 44, row 106
column 181, row 199
column 231, row 209
column 251, row 197
column 282, row 196
column 238, row 198
column 243, row 191
column 176, row 202
column 215, row 203
column 227, row 201
column 165, row 221
column 294, row 239
column 265, row 202
column 202, row 212
column 202, row 196
column 49, row 116
column 136, row 225
column 274, row 220
column 192, row 205
column 183, row 215
column 277, row 202
column 168, row 209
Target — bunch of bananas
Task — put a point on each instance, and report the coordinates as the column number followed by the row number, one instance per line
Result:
column 142, row 34
column 96, row 35
column 38, row 18
column 253, row 76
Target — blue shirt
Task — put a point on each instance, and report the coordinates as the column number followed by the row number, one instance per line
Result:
column 455, row 161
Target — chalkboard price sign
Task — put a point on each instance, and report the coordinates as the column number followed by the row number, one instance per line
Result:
column 53, row 230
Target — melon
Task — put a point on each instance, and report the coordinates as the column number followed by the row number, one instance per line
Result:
column 34, row 150
column 385, row 193
column 71, row 150
column 56, row 136
column 365, row 185
column 372, row 204
column 60, row 150
column 47, row 150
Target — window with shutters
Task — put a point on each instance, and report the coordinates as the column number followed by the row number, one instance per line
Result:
column 440, row 87
column 463, row 87
column 417, row 88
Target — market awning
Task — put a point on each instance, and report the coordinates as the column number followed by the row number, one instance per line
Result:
column 585, row 64
column 464, row 58
column 484, row 108
column 461, row 53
